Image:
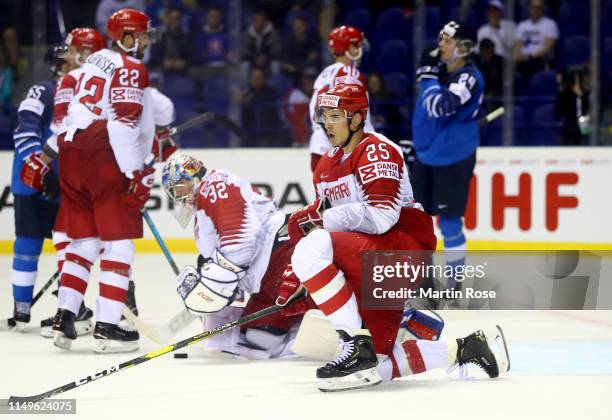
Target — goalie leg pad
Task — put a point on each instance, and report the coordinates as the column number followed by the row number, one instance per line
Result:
column 316, row 338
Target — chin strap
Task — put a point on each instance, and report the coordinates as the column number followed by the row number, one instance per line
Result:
column 354, row 57
column 134, row 49
column 352, row 132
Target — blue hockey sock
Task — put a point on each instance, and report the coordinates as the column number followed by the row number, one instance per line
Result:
column 25, row 266
column 454, row 245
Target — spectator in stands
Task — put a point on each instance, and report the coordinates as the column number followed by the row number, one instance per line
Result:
column 107, row 7
column 261, row 45
column 388, row 110
column 535, row 40
column 260, row 116
column 491, row 65
column 172, row 52
column 9, row 46
column 296, row 108
column 500, row 31
column 6, row 85
column 572, row 106
column 211, row 45
column 378, row 95
column 300, row 49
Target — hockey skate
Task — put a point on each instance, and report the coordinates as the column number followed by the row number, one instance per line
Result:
column 21, row 315
column 354, row 368
column 83, row 323
column 486, row 349
column 64, row 332
column 110, row 338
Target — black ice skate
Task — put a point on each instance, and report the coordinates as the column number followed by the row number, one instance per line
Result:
column 111, row 338
column 83, row 323
column 355, row 367
column 487, row 350
column 21, row 315
column 64, row 332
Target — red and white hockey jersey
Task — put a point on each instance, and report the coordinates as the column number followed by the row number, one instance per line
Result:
column 111, row 106
column 367, row 188
column 238, row 221
column 331, row 76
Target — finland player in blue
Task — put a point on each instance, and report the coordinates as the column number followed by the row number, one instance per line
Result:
column 446, row 134
column 34, row 211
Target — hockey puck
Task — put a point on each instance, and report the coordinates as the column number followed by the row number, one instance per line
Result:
column 180, row 355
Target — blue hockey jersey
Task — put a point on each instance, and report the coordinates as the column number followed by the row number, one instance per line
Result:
column 445, row 121
column 33, row 128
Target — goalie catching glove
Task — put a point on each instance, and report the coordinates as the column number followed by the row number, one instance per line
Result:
column 210, row 288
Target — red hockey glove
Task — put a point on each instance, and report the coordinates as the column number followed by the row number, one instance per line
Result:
column 33, row 171
column 140, row 188
column 163, row 145
column 290, row 293
column 306, row 219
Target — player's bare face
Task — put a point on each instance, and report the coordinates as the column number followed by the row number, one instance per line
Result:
column 447, row 46
column 143, row 42
column 71, row 58
column 336, row 126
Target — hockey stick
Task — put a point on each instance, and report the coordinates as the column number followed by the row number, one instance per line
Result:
column 492, row 116
column 209, row 117
column 181, row 320
column 149, row 356
column 7, row 324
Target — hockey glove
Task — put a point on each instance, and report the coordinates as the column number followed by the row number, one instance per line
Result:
column 302, row 221
column 33, row 171
column 163, row 145
column 140, row 188
column 290, row 294
column 430, row 66
column 51, row 187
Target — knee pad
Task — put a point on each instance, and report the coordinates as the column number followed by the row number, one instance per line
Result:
column 87, row 248
column 311, row 252
column 120, row 251
column 452, row 231
column 60, row 238
column 26, row 252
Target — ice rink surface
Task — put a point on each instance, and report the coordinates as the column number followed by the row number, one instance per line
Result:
column 561, row 369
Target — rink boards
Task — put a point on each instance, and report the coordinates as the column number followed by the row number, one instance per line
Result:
column 521, row 198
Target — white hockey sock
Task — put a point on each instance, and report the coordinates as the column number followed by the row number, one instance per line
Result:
column 115, row 268
column 313, row 264
column 75, row 273
column 417, row 356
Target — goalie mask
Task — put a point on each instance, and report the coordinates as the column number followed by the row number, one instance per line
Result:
column 180, row 178
column 464, row 40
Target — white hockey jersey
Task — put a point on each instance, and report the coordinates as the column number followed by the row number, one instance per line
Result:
column 238, row 221
column 367, row 188
column 163, row 108
column 112, row 105
column 331, row 76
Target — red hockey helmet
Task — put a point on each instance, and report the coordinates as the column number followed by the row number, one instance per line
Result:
column 127, row 21
column 350, row 98
column 86, row 38
column 342, row 37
